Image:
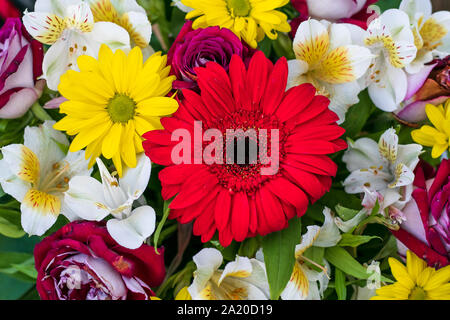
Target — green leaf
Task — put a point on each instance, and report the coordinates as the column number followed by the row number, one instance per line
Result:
column 249, row 247
column 279, row 256
column 18, row 265
column 358, row 115
column 339, row 283
column 351, row 240
column 265, row 46
column 166, row 212
column 63, row 147
column 283, row 46
column 341, row 259
column 10, row 225
column 315, row 254
column 345, row 213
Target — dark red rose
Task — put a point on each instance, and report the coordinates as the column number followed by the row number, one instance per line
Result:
column 82, row 262
column 195, row 48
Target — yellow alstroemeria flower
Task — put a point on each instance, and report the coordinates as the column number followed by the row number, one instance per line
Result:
column 438, row 136
column 248, row 19
column 113, row 101
column 416, row 281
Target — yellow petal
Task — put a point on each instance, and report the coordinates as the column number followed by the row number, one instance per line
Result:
column 111, row 142
column 440, row 277
column 438, row 150
column 89, row 135
column 414, row 265
column 157, row 106
column 436, row 116
column 400, row 273
column 128, row 151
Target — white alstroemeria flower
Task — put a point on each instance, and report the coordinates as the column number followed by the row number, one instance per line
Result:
column 242, row 279
column 307, row 283
column 382, row 170
column 181, row 6
column 127, row 14
column 327, row 57
column 431, row 31
column 89, row 199
column 68, row 27
column 37, row 173
column 390, row 38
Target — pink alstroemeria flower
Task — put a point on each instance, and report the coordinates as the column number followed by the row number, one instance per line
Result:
column 20, row 66
column 429, row 86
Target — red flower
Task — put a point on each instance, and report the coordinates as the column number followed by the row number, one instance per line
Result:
column 426, row 231
column 82, row 262
column 236, row 199
column 8, row 10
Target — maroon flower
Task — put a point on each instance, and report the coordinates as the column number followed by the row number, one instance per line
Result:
column 82, row 262
column 20, row 66
column 195, row 48
column 426, row 230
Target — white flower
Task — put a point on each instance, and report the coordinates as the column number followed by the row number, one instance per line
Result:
column 37, row 173
column 431, row 31
column 127, row 14
column 89, row 199
column 307, row 283
column 327, row 57
column 382, row 170
column 68, row 27
column 181, row 6
column 390, row 38
column 242, row 279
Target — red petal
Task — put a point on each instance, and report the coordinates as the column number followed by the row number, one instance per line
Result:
column 223, row 209
column 257, row 76
column 240, row 216
column 288, row 192
column 238, row 76
column 295, row 101
column 276, row 87
column 305, row 180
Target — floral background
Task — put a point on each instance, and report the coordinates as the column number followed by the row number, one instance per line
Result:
column 349, row 229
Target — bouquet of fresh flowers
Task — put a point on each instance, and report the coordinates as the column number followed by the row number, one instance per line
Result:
column 224, row 150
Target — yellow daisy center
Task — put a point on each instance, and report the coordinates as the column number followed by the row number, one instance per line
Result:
column 417, row 293
column 240, row 8
column 121, row 108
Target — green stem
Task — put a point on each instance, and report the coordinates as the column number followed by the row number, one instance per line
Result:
column 39, row 112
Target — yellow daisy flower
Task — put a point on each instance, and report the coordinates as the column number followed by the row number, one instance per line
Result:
column 112, row 101
column 438, row 136
column 248, row 19
column 416, row 281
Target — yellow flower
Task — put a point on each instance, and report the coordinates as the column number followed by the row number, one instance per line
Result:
column 439, row 136
column 112, row 101
column 183, row 294
column 248, row 19
column 416, row 281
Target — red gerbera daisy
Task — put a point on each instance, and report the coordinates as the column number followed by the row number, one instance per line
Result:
column 236, row 199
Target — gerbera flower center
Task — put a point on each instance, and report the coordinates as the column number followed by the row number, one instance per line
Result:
column 243, row 172
column 121, row 108
column 417, row 294
column 240, row 8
